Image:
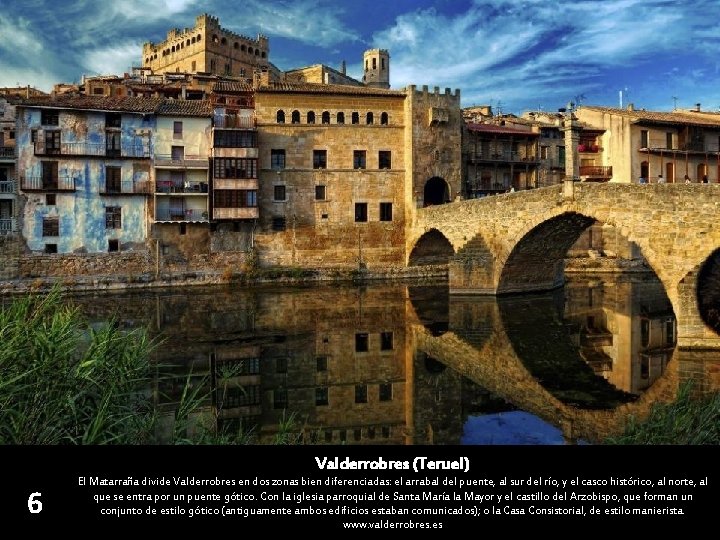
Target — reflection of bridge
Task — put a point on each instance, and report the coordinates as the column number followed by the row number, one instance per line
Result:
column 517, row 242
column 480, row 344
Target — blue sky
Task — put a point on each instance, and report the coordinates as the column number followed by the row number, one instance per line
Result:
column 514, row 54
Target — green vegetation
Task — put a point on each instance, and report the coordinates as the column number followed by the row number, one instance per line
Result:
column 688, row 420
column 63, row 381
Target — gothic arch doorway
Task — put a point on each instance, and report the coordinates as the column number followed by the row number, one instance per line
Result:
column 436, row 191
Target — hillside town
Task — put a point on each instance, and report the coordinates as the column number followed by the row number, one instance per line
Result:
column 207, row 158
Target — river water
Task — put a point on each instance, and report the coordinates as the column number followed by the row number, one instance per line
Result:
column 399, row 363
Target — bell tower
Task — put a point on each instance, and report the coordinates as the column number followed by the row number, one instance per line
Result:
column 376, row 64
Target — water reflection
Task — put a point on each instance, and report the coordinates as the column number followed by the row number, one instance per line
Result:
column 397, row 364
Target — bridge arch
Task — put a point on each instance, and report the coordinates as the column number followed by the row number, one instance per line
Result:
column 708, row 291
column 436, row 191
column 431, row 248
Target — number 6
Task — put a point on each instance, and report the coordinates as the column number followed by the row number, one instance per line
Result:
column 34, row 505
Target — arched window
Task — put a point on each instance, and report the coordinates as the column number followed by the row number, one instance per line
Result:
column 355, row 118
column 295, row 117
column 369, row 119
column 192, row 39
column 223, row 41
column 341, row 118
column 325, row 117
column 310, row 117
column 243, row 48
column 250, row 50
column 236, row 45
column 257, row 52
column 384, row 119
column 199, row 37
column 264, row 54
column 172, row 49
column 280, row 117
column 187, row 42
column 215, row 38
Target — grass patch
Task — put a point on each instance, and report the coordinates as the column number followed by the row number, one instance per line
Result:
column 688, row 421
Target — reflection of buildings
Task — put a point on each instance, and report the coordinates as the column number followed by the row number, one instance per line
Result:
column 625, row 330
column 386, row 365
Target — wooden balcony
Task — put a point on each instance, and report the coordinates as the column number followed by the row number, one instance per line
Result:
column 596, row 172
column 39, row 183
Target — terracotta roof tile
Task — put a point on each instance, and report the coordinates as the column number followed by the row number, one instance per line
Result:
column 500, row 130
column 676, row 117
column 232, row 86
column 140, row 105
column 185, row 107
column 314, row 88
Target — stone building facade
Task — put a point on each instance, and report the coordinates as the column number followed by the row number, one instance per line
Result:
column 209, row 48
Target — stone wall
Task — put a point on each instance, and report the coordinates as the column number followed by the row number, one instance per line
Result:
column 70, row 265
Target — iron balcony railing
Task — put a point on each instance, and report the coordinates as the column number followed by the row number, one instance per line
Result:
column 126, row 187
column 7, row 152
column 233, row 121
column 8, row 186
column 136, row 150
column 40, row 183
column 188, row 161
column 181, row 215
column 168, row 186
column 8, row 226
column 594, row 170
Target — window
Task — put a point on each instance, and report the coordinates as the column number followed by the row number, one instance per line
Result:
column 361, row 342
column 386, row 341
column 228, row 69
column 355, row 118
column 295, row 117
column 279, row 224
column 177, row 153
column 386, row 432
column 113, row 245
column 281, row 365
column 328, row 435
column 361, row 212
column 277, row 159
column 33, row 136
column 384, row 159
column 280, row 117
column 113, row 120
column 112, row 180
column 193, row 66
column 385, row 211
column 50, row 199
column 644, row 332
column 561, row 154
column 374, row 60
column 357, row 434
column 321, row 363
column 49, row 118
column 643, row 138
column 280, row 398
column 544, row 152
column 51, row 226
column 361, row 393
column 325, row 117
column 359, row 159
column 235, row 198
column 670, row 332
column 321, row 395
column 311, row 117
column 319, row 159
column 52, row 141
column 371, row 432
column 113, row 217
column 50, row 248
column 98, row 91
column 235, row 138
column 369, row 119
column 668, row 140
column 319, row 193
column 235, row 168
column 183, row 229
column 340, row 118
column 384, row 119
column 50, row 174
column 279, row 193
column 212, row 65
column 385, row 392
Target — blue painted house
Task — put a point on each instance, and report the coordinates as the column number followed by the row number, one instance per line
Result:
column 84, row 165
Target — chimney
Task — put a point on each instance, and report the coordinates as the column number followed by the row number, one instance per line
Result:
column 343, row 67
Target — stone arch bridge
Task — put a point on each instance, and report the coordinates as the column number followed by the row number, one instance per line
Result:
column 517, row 242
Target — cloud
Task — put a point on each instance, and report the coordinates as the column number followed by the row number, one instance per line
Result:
column 315, row 22
column 113, row 60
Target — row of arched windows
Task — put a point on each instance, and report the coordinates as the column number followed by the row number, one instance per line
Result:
column 196, row 39
column 237, row 46
column 311, row 118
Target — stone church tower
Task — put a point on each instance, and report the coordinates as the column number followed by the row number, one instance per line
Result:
column 377, row 68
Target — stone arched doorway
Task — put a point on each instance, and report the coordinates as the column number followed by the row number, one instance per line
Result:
column 437, row 191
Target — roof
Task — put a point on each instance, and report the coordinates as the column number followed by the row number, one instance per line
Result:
column 675, row 117
column 315, row 88
column 137, row 105
column 231, row 87
column 499, row 130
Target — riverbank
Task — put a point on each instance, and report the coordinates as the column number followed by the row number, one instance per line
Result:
column 277, row 275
